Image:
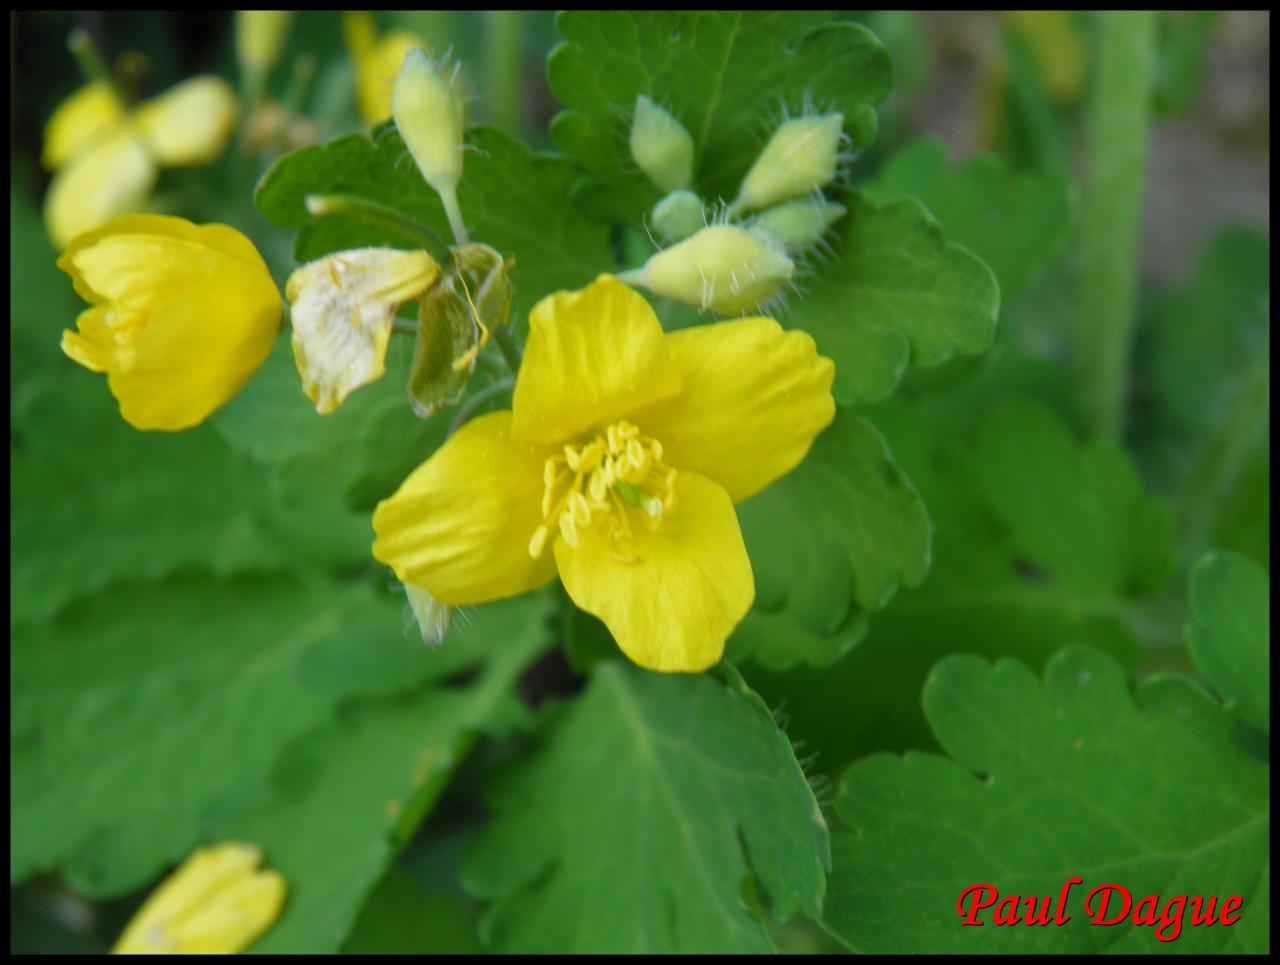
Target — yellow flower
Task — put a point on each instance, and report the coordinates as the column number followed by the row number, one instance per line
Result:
column 181, row 315
column 217, row 903
column 343, row 309
column 107, row 158
column 377, row 60
column 618, row 465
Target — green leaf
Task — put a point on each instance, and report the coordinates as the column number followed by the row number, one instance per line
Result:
column 342, row 800
column 897, row 294
column 140, row 710
column 1193, row 369
column 97, row 501
column 829, row 543
column 1038, row 542
column 401, row 918
column 651, row 801
column 1016, row 222
column 724, row 75
column 1073, row 776
column 41, row 300
column 1230, row 633
column 512, row 199
column 357, row 455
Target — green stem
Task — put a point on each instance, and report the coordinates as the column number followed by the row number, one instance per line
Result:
column 473, row 404
column 454, row 214
column 1220, row 460
column 503, row 61
column 404, row 326
column 326, row 205
column 87, row 59
column 507, row 346
column 1117, row 124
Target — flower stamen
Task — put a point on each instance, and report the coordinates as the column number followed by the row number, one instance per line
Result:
column 603, row 481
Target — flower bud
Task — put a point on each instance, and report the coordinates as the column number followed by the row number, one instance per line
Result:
column 799, row 224
column 661, row 146
column 724, row 268
column 799, row 158
column 260, row 37
column 678, row 215
column 428, row 115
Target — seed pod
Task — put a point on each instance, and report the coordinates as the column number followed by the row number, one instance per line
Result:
column 428, row 115
column 678, row 215
column 799, row 158
column 724, row 268
column 799, row 224
column 661, row 146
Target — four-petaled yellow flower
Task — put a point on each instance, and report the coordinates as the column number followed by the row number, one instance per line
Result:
column 107, row 157
column 182, row 315
column 618, row 465
column 217, row 903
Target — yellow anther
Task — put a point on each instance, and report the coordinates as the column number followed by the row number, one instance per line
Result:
column 601, row 482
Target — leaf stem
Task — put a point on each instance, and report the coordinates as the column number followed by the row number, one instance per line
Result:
column 1117, row 123
column 371, row 212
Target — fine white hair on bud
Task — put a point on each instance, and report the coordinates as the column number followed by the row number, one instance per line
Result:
column 678, row 215
column 429, row 116
column 801, row 157
column 661, row 146
column 724, row 268
column 799, row 224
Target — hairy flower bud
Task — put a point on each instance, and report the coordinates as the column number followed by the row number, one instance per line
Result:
column 661, row 146
column 678, row 215
column 428, row 114
column 724, row 268
column 799, row 158
column 799, row 224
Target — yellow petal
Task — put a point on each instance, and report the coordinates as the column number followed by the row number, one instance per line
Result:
column 754, row 398
column 680, row 591
column 459, row 526
column 215, row 903
column 190, row 123
column 112, row 177
column 79, row 120
column 592, row 356
column 343, row 309
column 187, row 314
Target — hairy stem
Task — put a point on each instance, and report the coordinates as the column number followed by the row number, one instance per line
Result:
column 325, row 205
column 507, row 346
column 1117, row 124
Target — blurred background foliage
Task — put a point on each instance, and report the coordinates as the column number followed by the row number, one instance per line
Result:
column 104, row 530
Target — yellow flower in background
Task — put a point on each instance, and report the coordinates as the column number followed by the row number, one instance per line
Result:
column 217, row 903
column 618, row 465
column 344, row 306
column 1058, row 46
column 376, row 60
column 181, row 315
column 107, row 158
